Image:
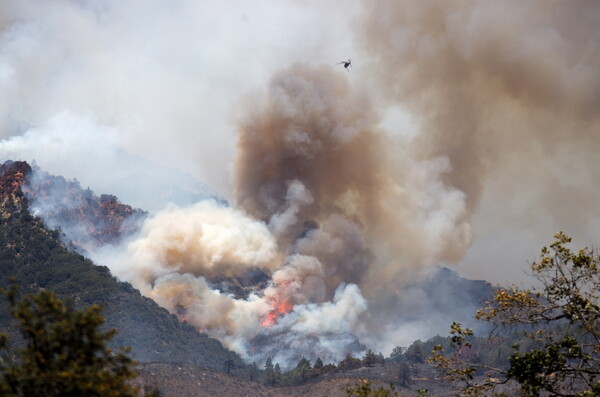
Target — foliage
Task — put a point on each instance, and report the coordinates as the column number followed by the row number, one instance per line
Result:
column 349, row 363
column 397, row 355
column 365, row 388
column 36, row 258
column 371, row 358
column 65, row 352
column 561, row 320
column 303, row 372
column 415, row 353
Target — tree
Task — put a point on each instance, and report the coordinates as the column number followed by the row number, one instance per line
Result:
column 414, row 353
column 561, row 318
column 404, row 374
column 268, row 376
column 349, row 363
column 318, row 363
column 370, row 358
column 228, row 365
column 397, row 355
column 253, row 371
column 302, row 370
column 278, row 374
column 65, row 353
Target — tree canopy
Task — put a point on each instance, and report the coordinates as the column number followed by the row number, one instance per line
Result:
column 561, row 320
column 64, row 352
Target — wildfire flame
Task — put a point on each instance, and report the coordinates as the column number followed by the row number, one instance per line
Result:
column 280, row 307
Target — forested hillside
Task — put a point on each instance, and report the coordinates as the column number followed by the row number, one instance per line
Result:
column 33, row 257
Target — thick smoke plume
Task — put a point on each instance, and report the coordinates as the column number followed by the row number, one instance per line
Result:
column 315, row 131
column 336, row 208
column 490, row 80
column 509, row 93
column 321, row 211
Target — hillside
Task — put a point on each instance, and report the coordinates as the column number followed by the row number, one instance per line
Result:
column 191, row 381
column 88, row 220
column 36, row 258
column 173, row 355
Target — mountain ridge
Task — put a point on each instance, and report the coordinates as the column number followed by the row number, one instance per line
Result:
column 168, row 350
column 37, row 258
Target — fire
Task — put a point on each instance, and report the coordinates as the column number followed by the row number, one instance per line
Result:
column 280, row 307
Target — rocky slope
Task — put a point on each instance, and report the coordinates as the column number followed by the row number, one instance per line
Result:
column 86, row 219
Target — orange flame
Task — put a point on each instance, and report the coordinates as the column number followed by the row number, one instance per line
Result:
column 280, row 307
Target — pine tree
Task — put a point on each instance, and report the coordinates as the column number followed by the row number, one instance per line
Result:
column 302, row 369
column 278, row 374
column 268, row 376
column 64, row 353
column 370, row 358
column 318, row 363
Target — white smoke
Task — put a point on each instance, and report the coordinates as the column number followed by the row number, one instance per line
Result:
column 296, row 196
column 179, row 251
column 205, row 239
column 96, row 159
column 334, row 202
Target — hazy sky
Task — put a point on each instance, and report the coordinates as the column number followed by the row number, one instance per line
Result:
column 494, row 104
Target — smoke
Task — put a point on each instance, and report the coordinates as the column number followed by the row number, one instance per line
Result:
column 321, row 211
column 96, row 159
column 162, row 75
column 312, row 129
column 338, row 203
column 508, row 92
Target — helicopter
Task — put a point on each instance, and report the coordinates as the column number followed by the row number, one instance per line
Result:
column 345, row 63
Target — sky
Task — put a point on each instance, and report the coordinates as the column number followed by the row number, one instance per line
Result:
column 473, row 125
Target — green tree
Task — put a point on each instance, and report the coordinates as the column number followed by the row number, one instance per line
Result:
column 303, row 370
column 268, row 375
column 562, row 318
column 397, row 355
column 278, row 374
column 318, row 363
column 64, row 354
column 348, row 363
column 253, row 371
column 414, row 353
column 370, row 358
column 228, row 365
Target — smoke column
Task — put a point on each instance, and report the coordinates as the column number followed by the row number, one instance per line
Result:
column 336, row 210
column 320, row 209
column 508, row 92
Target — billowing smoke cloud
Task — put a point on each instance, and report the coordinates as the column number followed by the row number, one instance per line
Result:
column 488, row 79
column 321, row 212
column 204, row 239
column 508, row 92
column 314, row 129
column 181, row 254
column 336, row 209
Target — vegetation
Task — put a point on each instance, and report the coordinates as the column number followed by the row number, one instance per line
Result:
column 559, row 323
column 37, row 259
column 365, row 388
column 304, row 372
column 65, row 352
